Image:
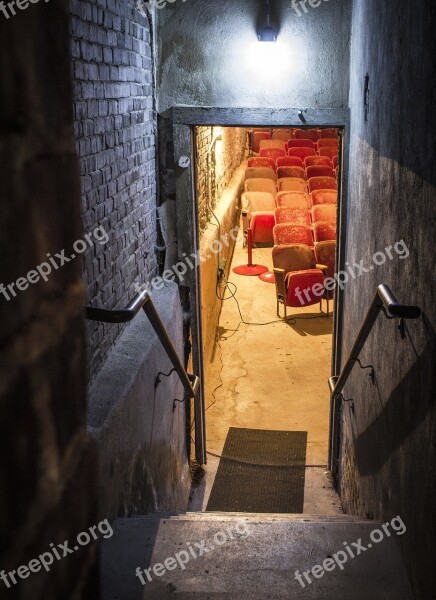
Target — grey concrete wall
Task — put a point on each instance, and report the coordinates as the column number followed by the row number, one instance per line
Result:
column 140, row 432
column 388, row 459
column 47, row 462
column 115, row 137
column 208, row 54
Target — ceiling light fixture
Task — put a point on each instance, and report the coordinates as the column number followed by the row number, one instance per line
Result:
column 267, row 33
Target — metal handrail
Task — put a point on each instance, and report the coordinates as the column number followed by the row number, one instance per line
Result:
column 384, row 300
column 143, row 301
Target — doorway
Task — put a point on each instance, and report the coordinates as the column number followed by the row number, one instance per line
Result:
column 185, row 121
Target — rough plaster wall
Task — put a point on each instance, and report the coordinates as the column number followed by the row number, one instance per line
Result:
column 388, row 460
column 47, row 465
column 115, row 133
column 207, row 53
column 140, row 431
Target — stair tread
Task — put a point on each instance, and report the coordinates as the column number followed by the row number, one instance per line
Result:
column 249, row 567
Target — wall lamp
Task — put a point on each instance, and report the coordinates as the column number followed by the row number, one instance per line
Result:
column 267, row 33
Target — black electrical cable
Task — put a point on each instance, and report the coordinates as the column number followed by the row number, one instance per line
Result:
column 233, row 295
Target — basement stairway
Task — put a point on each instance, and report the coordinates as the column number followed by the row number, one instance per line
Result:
column 241, row 556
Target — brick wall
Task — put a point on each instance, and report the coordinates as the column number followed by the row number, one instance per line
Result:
column 216, row 167
column 115, row 133
column 47, row 465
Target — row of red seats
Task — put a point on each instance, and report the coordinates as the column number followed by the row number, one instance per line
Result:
column 282, row 172
column 292, row 161
column 288, row 184
column 268, row 219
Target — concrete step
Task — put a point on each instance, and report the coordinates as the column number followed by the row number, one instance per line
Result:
column 239, row 556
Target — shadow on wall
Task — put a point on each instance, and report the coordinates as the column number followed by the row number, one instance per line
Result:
column 400, row 417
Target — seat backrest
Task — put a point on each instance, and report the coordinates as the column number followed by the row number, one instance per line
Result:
column 282, row 134
column 326, row 142
column 324, row 231
column 292, row 200
column 322, row 183
column 335, row 161
column 324, row 197
column 272, row 144
column 297, row 216
column 293, row 257
column 258, row 202
column 328, row 133
column 306, row 134
column 301, row 152
column 326, row 255
column 257, row 137
column 288, row 184
column 260, row 173
column 283, row 172
column 273, row 153
column 300, row 144
column 319, row 171
column 324, row 212
column 261, row 161
column 328, row 151
column 310, row 161
column 260, row 185
column 290, row 233
column 289, row 161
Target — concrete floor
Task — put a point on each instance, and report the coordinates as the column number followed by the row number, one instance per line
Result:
column 270, row 377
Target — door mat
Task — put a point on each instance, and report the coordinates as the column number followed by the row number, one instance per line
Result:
column 260, row 471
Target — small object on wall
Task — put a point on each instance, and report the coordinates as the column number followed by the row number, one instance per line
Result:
column 184, row 162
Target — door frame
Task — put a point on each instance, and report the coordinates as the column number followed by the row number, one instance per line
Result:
column 184, row 119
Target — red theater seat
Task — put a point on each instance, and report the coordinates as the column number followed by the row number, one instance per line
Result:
column 296, row 216
column 319, row 171
column 328, row 151
column 261, row 161
column 322, row 183
column 295, row 184
column 328, row 133
column 324, row 197
column 283, row 172
column 273, row 153
column 292, row 200
column 310, row 161
column 324, row 212
column 261, row 185
column 260, row 173
column 257, row 137
column 324, row 231
column 327, row 142
column 272, row 144
column 289, row 161
column 300, row 144
column 306, row 134
column 295, row 271
column 290, row 233
column 301, row 152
